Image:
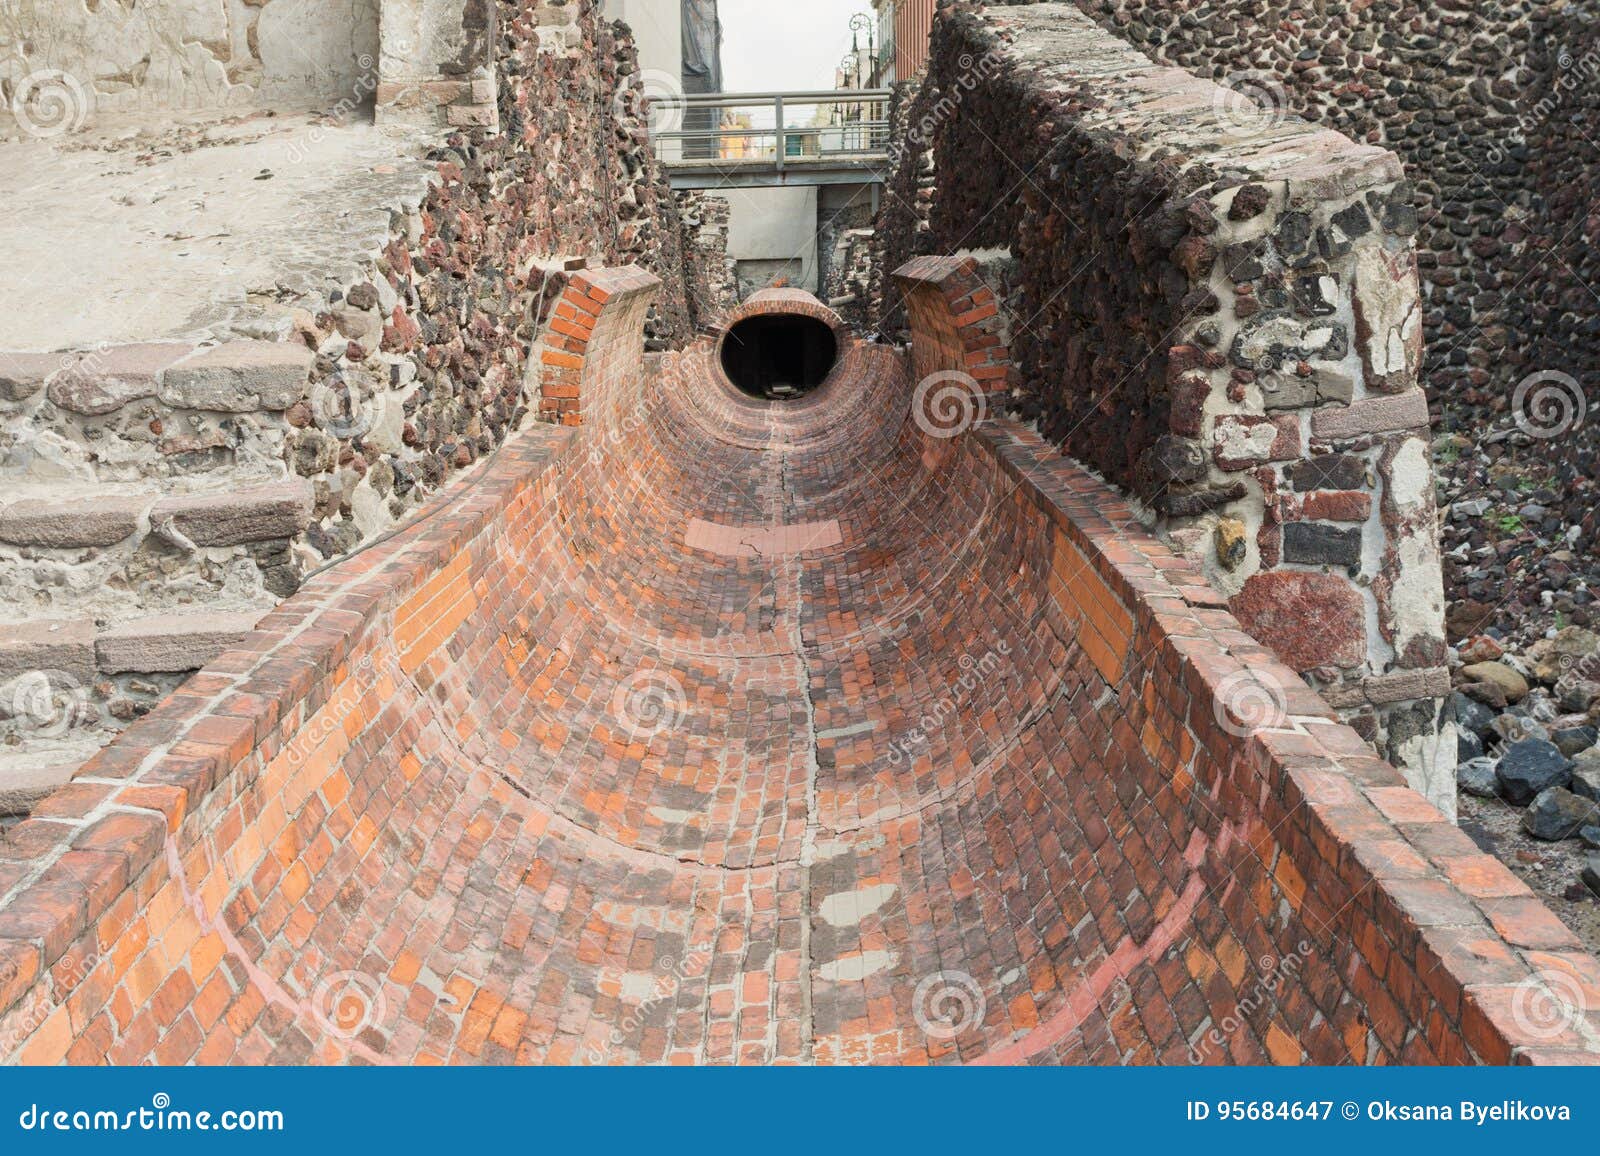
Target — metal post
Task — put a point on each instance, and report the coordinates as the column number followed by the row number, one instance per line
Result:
column 783, row 132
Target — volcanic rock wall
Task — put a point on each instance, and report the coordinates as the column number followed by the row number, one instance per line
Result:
column 712, row 278
column 1220, row 315
column 467, row 282
column 902, row 230
column 1438, row 83
column 1491, row 105
column 1554, row 310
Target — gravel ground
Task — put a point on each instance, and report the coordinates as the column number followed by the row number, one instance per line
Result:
column 1520, row 523
column 1551, row 869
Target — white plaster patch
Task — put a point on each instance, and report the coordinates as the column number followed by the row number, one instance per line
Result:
column 671, row 817
column 1418, row 594
column 638, row 986
column 849, row 908
column 1239, row 441
column 1410, row 475
column 1388, row 292
column 325, row 49
column 1429, row 765
column 855, row 968
column 370, row 510
column 836, row 848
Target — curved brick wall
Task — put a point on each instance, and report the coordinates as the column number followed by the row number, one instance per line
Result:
column 697, row 729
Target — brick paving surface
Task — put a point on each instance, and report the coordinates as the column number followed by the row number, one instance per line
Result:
column 956, row 776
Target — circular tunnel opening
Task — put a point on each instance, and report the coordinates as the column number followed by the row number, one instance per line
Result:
column 779, row 356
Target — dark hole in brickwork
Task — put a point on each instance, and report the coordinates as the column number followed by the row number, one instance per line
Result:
column 780, row 355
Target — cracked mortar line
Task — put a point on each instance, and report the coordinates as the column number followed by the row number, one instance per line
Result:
column 808, row 842
column 794, row 568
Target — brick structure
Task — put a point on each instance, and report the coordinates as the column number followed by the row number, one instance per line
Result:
column 1222, row 318
column 790, row 302
column 952, row 762
column 958, row 324
column 594, row 344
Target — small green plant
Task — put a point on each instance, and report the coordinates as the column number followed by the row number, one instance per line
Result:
column 1509, row 523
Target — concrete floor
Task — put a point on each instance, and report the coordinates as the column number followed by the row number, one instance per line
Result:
column 210, row 225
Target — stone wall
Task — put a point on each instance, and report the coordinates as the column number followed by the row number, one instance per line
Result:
column 1553, row 311
column 710, row 272
column 436, row 59
column 844, row 237
column 1442, row 85
column 849, row 274
column 63, row 62
column 1221, row 318
column 1489, row 105
column 426, row 367
column 901, row 230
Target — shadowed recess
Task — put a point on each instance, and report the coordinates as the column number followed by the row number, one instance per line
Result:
column 781, row 355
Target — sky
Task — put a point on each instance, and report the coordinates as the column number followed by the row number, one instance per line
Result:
column 790, row 45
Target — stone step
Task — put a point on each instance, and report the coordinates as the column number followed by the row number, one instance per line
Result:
column 261, row 514
column 85, row 518
column 67, row 688
column 233, row 377
column 70, row 523
column 25, row 780
column 172, row 643
column 64, row 645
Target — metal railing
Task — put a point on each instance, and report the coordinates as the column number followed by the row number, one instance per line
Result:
column 776, row 130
